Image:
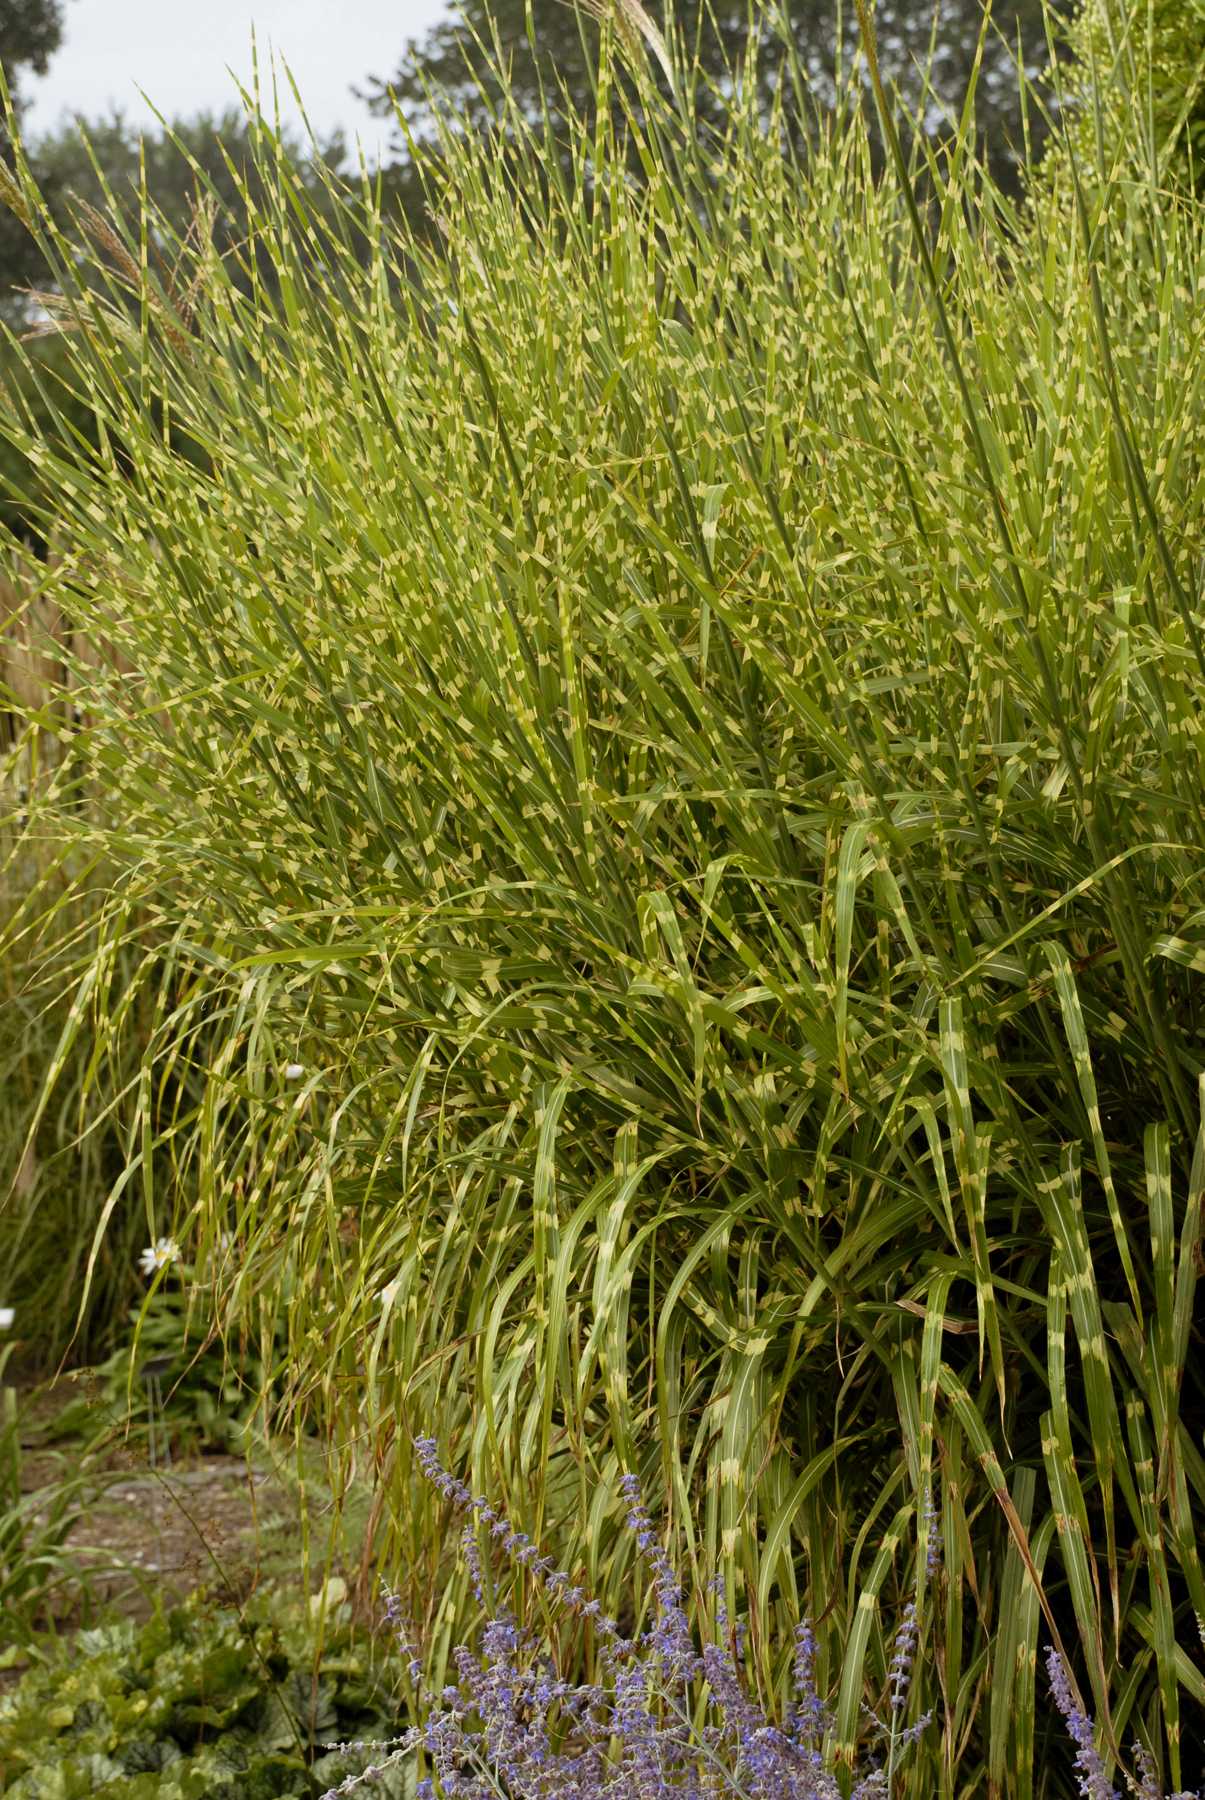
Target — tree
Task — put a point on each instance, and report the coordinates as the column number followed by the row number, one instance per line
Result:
column 30, row 33
column 912, row 37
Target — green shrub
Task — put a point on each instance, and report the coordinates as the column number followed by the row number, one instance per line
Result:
column 200, row 1701
column 666, row 728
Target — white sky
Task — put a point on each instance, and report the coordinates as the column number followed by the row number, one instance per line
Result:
column 180, row 51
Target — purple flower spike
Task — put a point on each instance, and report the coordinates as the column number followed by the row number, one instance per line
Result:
column 516, row 1544
column 670, row 1637
column 901, row 1661
column 810, row 1718
column 931, row 1518
column 511, row 1727
column 1093, row 1782
column 1149, row 1785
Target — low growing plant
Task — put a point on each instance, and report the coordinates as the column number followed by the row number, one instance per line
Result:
column 172, row 1369
column 203, row 1700
column 73, row 1217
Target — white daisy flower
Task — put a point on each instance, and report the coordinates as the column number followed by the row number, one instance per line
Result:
column 157, row 1256
column 7, row 1315
column 294, row 1071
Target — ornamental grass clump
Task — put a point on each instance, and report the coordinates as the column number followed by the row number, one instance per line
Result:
column 662, row 1718
column 650, row 784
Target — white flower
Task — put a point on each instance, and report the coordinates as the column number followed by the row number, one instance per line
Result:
column 388, row 1294
column 7, row 1315
column 157, row 1256
column 294, row 1071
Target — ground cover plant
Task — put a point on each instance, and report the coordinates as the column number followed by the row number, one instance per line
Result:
column 203, row 1699
column 167, row 1382
column 662, row 727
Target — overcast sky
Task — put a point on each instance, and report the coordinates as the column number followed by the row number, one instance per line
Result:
column 180, row 51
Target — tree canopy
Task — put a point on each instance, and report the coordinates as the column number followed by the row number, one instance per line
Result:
column 929, row 51
column 30, row 32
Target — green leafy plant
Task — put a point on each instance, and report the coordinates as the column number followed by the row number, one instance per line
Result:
column 72, row 1226
column 202, row 1700
column 172, row 1378
column 201, row 1391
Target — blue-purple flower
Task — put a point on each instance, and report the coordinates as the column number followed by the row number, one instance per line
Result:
column 668, row 1721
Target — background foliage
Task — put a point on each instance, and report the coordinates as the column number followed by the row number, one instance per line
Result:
column 30, row 33
column 933, row 53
